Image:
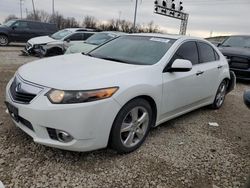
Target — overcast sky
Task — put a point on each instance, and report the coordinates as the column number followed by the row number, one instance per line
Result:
column 218, row 16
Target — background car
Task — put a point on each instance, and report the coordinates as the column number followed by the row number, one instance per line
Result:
column 56, row 43
column 116, row 93
column 93, row 42
column 237, row 51
column 23, row 30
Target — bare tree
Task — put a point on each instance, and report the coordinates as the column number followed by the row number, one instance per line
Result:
column 89, row 22
column 10, row 17
column 40, row 15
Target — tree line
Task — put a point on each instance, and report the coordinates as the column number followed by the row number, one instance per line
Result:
column 89, row 22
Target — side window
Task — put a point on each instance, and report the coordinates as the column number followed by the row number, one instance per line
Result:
column 206, row 52
column 21, row 25
column 35, row 26
column 187, row 51
column 87, row 35
column 75, row 37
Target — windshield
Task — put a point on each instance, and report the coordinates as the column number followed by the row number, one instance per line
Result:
column 237, row 41
column 9, row 23
column 60, row 34
column 99, row 38
column 139, row 50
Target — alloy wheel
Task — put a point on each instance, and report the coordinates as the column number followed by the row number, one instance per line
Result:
column 3, row 40
column 134, row 126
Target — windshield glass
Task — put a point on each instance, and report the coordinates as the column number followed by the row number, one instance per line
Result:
column 139, row 50
column 237, row 41
column 9, row 23
column 99, row 38
column 61, row 34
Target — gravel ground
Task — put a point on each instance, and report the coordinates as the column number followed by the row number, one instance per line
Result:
column 184, row 152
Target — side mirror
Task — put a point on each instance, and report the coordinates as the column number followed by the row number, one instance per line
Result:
column 219, row 44
column 180, row 65
column 14, row 27
column 247, row 98
column 68, row 40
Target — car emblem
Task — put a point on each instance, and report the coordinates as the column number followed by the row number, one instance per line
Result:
column 18, row 87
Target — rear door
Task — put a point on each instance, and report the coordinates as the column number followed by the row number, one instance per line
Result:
column 36, row 29
column 209, row 63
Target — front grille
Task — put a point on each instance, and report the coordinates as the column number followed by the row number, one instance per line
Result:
column 20, row 96
column 52, row 133
column 238, row 62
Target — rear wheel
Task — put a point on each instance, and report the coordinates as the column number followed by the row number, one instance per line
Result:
column 220, row 95
column 4, row 41
column 131, row 126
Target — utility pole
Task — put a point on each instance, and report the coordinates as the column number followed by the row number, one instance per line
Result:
column 34, row 10
column 21, row 8
column 53, row 7
column 134, row 26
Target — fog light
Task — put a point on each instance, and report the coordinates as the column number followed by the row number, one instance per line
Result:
column 64, row 136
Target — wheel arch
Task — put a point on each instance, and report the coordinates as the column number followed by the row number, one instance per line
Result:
column 152, row 104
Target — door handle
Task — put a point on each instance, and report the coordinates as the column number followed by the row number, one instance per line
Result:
column 199, row 73
column 219, row 67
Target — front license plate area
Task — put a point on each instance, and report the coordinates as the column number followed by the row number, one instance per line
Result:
column 13, row 111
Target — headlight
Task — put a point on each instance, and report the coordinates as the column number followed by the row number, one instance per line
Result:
column 70, row 97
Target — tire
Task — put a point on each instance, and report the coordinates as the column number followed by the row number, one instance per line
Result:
column 220, row 95
column 131, row 126
column 4, row 41
column 54, row 52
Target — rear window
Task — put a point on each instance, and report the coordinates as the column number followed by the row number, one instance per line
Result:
column 206, row 52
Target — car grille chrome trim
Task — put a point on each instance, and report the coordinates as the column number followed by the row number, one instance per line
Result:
column 22, row 91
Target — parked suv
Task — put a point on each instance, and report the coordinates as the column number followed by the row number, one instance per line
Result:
column 23, row 30
column 237, row 51
column 57, row 43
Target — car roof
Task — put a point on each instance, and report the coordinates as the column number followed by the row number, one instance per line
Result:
column 239, row 36
column 78, row 29
column 169, row 36
column 117, row 33
column 33, row 21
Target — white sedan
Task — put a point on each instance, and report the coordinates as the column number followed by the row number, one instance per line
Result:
column 115, row 94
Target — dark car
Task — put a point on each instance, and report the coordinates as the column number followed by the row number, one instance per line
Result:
column 237, row 50
column 23, row 30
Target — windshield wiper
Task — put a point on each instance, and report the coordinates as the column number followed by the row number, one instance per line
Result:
column 225, row 45
column 113, row 59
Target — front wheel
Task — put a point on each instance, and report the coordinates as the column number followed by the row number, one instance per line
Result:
column 4, row 41
column 220, row 95
column 131, row 126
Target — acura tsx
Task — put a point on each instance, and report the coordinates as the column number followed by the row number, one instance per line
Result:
column 116, row 93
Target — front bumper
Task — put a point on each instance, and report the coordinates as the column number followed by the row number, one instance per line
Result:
column 88, row 123
column 242, row 74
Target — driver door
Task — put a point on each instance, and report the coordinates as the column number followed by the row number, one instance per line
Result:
column 182, row 90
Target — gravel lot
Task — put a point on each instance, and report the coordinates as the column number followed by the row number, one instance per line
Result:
column 184, row 152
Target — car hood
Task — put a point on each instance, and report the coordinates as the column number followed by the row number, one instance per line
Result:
column 4, row 28
column 235, row 51
column 76, row 72
column 41, row 40
column 82, row 47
